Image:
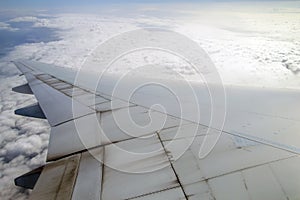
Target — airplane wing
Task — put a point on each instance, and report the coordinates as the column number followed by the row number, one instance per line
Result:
column 97, row 152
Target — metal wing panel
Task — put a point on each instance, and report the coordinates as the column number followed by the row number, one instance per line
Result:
column 98, row 129
column 22, row 67
column 131, row 122
column 89, row 178
column 63, row 73
column 235, row 168
column 269, row 116
column 171, row 194
column 52, row 101
column 252, row 159
column 287, row 173
column 255, row 113
column 136, row 175
column 57, row 180
column 110, row 173
column 227, row 156
column 74, row 136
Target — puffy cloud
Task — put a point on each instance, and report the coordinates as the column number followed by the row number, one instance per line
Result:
column 27, row 146
column 37, row 21
column 23, row 141
column 6, row 26
column 25, row 19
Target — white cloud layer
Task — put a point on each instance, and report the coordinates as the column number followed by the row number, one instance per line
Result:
column 23, row 141
column 37, row 21
column 6, row 26
column 24, row 19
column 256, row 50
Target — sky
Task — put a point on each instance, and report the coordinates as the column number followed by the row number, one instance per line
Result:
column 76, row 3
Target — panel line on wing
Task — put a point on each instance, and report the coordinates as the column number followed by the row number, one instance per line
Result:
column 171, row 164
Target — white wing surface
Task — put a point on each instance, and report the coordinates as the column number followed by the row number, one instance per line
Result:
column 96, row 152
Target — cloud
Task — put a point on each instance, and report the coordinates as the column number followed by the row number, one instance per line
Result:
column 24, row 19
column 37, row 21
column 7, row 27
column 23, row 141
column 292, row 64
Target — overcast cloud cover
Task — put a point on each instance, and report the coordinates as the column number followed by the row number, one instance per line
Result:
column 250, row 45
